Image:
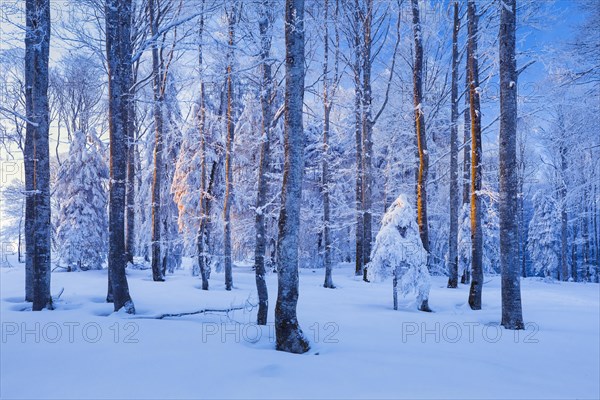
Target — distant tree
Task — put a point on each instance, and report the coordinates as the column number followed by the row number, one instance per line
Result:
column 399, row 252
column 543, row 242
column 82, row 232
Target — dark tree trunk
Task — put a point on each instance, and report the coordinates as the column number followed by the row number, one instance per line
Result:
column 367, row 137
column 476, row 153
column 118, row 51
column 229, row 152
column 157, row 257
column 564, row 271
column 420, row 129
column 37, row 155
column 358, row 117
column 453, row 234
column 512, row 316
column 289, row 336
column 266, row 17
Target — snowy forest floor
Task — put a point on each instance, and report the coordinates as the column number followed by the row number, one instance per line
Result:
column 361, row 347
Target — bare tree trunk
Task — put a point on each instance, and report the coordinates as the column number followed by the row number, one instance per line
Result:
column 37, row 155
column 157, row 270
column 476, row 153
column 453, row 234
column 265, row 21
column 289, row 336
column 420, row 130
column 231, row 20
column 325, row 161
column 585, row 237
column 466, row 276
column 130, row 209
column 564, row 272
column 512, row 316
column 367, row 137
column 118, row 51
column 358, row 117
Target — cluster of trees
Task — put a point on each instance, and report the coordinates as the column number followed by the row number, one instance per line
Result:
column 228, row 140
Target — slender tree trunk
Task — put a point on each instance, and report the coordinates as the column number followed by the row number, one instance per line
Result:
column 229, row 153
column 585, row 237
column 476, row 153
column 266, row 17
column 289, row 336
column 325, row 161
column 512, row 315
column 574, row 274
column 157, row 270
column 37, row 155
column 564, row 272
column 130, row 210
column 420, row 130
column 453, row 234
column 367, row 137
column 118, row 51
column 358, row 117
column 466, row 276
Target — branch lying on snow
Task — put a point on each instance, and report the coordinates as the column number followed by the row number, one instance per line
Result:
column 246, row 306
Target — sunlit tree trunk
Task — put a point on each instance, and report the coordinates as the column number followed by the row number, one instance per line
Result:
column 420, row 128
column 476, row 153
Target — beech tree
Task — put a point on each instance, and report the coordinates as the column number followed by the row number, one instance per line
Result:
column 289, row 336
column 118, row 54
column 509, row 263
column 37, row 155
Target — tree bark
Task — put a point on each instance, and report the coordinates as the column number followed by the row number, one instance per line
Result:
column 231, row 20
column 367, row 137
column 37, row 155
column 476, row 153
column 453, row 234
column 512, row 317
column 466, row 276
column 265, row 21
column 118, row 52
column 420, row 130
column 325, row 161
column 358, row 117
column 157, row 270
column 289, row 336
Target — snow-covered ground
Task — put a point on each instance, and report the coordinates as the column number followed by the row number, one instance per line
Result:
column 361, row 348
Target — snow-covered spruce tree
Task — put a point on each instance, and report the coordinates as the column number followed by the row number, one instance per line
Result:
column 399, row 252
column 543, row 242
column 82, row 231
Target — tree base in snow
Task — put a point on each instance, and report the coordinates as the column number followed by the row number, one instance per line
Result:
column 291, row 339
column 425, row 306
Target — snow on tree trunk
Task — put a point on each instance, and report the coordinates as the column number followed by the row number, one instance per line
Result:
column 118, row 52
column 37, row 155
column 420, row 128
column 512, row 317
column 266, row 17
column 289, row 336
column 358, row 117
column 399, row 252
column 453, row 234
column 476, row 168
column 325, row 162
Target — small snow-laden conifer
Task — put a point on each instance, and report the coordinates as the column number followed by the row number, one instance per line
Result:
column 464, row 244
column 399, row 252
column 543, row 242
column 82, row 232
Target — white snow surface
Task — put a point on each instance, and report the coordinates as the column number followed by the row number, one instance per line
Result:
column 361, row 347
